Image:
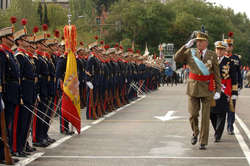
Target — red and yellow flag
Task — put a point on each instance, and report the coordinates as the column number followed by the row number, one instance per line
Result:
column 71, row 97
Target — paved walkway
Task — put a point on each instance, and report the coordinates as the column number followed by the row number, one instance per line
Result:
column 151, row 131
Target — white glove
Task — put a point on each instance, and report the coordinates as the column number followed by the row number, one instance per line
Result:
column 38, row 98
column 190, row 43
column 216, row 96
column 90, row 85
column 126, row 80
column 234, row 97
column 2, row 103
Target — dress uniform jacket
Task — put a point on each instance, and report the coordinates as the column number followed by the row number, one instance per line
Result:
column 11, row 76
column 27, row 73
column 236, row 65
column 228, row 79
column 197, row 88
column 43, row 77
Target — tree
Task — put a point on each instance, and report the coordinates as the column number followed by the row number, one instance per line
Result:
column 45, row 18
column 21, row 9
column 152, row 22
column 40, row 12
column 100, row 4
column 141, row 22
column 57, row 16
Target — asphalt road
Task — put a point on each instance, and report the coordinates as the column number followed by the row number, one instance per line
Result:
column 152, row 131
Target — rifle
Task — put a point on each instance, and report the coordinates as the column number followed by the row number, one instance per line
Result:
column 92, row 104
column 7, row 154
column 117, row 97
column 98, row 104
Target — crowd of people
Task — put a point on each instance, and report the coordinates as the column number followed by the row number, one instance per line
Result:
column 32, row 71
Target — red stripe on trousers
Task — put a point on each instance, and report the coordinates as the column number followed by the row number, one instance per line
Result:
column 34, row 127
column 14, row 145
column 89, row 106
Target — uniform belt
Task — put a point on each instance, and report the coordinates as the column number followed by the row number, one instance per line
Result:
column 26, row 78
column 204, row 78
column 43, row 76
column 12, row 80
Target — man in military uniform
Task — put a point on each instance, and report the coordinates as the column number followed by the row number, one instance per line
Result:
column 91, row 78
column 23, row 115
column 9, row 87
column 235, row 88
column 11, row 77
column 204, row 71
column 80, row 71
column 218, row 112
column 39, row 136
column 51, row 88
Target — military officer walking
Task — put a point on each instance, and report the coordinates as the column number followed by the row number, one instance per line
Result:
column 218, row 112
column 204, row 71
column 235, row 88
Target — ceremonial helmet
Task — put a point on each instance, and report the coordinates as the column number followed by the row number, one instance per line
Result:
column 220, row 44
column 201, row 35
column 230, row 39
column 8, row 31
column 21, row 33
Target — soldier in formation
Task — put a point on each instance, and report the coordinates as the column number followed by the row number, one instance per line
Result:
column 32, row 70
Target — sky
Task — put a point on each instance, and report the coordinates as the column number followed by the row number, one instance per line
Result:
column 237, row 5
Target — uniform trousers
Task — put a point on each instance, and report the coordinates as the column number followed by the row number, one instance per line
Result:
column 194, row 106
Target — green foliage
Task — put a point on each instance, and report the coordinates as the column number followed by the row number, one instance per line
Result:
column 57, row 16
column 20, row 9
column 152, row 22
column 126, row 43
column 100, row 4
column 141, row 21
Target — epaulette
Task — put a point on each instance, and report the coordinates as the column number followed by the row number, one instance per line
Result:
column 35, row 56
column 19, row 53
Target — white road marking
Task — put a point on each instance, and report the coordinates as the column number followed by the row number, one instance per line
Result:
column 98, row 121
column 144, row 157
column 30, row 159
column 168, row 116
column 243, row 125
column 60, row 141
column 85, row 128
column 110, row 114
column 242, row 143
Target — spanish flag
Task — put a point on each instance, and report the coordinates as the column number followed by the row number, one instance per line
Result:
column 71, row 97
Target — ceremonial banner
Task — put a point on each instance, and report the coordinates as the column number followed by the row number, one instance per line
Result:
column 71, row 97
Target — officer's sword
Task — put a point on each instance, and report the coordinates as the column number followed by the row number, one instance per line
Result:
column 44, row 114
column 37, row 116
column 136, row 88
column 60, row 116
column 49, row 118
column 63, row 110
column 55, row 111
column 132, row 84
column 139, row 88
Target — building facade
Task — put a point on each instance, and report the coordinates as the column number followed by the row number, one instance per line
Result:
column 4, row 4
column 64, row 3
